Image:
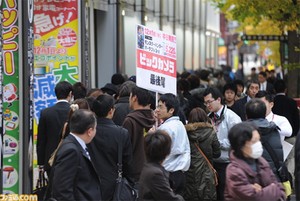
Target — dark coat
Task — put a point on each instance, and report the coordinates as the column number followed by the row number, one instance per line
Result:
column 104, row 148
column 297, row 168
column 138, row 123
column 287, row 107
column 51, row 122
column 73, row 174
column 154, row 184
column 239, row 107
column 240, row 178
column 269, row 133
column 199, row 178
column 122, row 109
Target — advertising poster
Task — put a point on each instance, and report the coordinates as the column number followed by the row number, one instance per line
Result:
column 56, row 51
column 155, row 60
column 10, row 96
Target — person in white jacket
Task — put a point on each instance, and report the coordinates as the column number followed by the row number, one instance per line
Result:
column 222, row 119
column 285, row 128
column 178, row 161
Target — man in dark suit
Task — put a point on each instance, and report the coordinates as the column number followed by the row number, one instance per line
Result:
column 239, row 106
column 264, row 84
column 286, row 106
column 104, row 147
column 50, row 124
column 73, row 176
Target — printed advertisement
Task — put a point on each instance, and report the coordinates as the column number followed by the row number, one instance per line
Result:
column 10, row 96
column 56, row 51
column 156, row 60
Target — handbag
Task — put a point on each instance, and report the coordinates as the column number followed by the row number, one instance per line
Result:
column 209, row 164
column 282, row 171
column 124, row 190
column 41, row 186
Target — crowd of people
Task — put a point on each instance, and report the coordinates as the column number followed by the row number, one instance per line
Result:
column 211, row 141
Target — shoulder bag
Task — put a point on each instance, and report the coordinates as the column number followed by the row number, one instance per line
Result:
column 282, row 171
column 124, row 191
column 209, row 164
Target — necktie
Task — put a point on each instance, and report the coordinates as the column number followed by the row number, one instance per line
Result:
column 87, row 153
column 216, row 116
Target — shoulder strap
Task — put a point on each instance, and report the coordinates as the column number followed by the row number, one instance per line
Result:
column 119, row 164
column 209, row 164
column 272, row 154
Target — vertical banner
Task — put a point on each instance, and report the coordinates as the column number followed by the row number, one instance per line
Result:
column 1, row 101
column 56, row 51
column 10, row 96
column 155, row 60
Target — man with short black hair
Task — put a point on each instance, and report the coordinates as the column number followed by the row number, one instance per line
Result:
column 180, row 157
column 138, row 122
column 73, row 176
column 105, row 146
column 223, row 119
column 285, row 128
column 51, row 123
column 239, row 105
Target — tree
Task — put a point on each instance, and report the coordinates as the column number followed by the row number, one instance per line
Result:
column 279, row 17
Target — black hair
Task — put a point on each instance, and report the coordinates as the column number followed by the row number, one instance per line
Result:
column 239, row 82
column 117, row 79
column 126, row 88
column 215, row 92
column 63, row 89
column 81, row 121
column 79, row 90
column 268, row 96
column 171, row 101
column 143, row 95
column 256, row 109
column 194, row 81
column 252, row 82
column 157, row 146
column 279, row 86
column 94, row 92
column 103, row 104
column 264, row 74
column 238, row 135
column 230, row 86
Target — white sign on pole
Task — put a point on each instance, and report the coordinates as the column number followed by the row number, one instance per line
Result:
column 155, row 60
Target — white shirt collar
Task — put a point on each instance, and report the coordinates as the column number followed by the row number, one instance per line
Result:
column 80, row 141
column 62, row 100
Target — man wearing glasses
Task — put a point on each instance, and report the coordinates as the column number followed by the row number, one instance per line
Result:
column 222, row 119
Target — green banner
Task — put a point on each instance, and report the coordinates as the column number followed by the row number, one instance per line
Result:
column 10, row 98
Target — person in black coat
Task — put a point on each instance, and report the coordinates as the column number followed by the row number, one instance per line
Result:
column 286, row 106
column 73, row 175
column 104, row 147
column 297, row 168
column 256, row 112
column 50, row 124
column 239, row 106
column 154, row 180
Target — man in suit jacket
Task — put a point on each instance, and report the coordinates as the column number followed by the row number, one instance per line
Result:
column 73, row 176
column 50, row 124
column 105, row 146
column 239, row 105
column 286, row 106
column 264, row 84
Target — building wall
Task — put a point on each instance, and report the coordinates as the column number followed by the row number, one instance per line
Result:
column 195, row 24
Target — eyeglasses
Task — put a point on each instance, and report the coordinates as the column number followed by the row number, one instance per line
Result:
column 208, row 102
